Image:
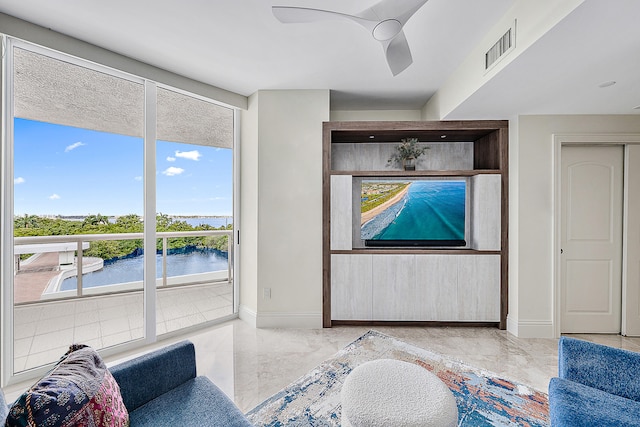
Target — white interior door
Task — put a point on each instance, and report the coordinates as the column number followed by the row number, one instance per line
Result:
column 592, row 207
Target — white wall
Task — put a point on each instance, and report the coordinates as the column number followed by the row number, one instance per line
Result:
column 281, row 169
column 248, row 257
column 514, row 222
column 531, row 261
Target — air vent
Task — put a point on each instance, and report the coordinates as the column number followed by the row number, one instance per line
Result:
column 503, row 46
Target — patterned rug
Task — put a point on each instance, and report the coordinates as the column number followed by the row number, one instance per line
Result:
column 483, row 398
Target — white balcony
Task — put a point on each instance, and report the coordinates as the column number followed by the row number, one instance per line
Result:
column 47, row 320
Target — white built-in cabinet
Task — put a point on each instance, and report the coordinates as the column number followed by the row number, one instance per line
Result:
column 416, row 284
column 406, row 287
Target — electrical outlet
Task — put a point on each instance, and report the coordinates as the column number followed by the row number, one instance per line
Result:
column 266, row 293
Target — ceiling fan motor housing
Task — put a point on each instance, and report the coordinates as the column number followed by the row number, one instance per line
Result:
column 387, row 29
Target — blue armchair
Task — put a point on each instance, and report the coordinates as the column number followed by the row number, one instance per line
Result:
column 597, row 386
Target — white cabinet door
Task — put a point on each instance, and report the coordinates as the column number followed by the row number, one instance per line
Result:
column 486, row 212
column 351, row 287
column 437, row 287
column 395, row 294
column 479, row 288
column 341, row 212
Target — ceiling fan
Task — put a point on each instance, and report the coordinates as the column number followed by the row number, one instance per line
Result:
column 384, row 20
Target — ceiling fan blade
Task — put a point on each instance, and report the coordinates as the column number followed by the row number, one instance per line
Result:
column 398, row 53
column 294, row 15
column 384, row 20
column 400, row 10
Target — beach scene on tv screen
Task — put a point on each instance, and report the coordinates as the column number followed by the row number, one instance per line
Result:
column 413, row 210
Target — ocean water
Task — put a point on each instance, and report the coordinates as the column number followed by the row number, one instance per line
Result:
column 216, row 221
column 431, row 210
column 131, row 269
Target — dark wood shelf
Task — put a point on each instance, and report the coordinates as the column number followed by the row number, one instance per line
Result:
column 397, row 173
column 413, row 251
column 392, row 132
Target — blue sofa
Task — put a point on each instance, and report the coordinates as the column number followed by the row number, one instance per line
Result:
column 597, row 386
column 161, row 389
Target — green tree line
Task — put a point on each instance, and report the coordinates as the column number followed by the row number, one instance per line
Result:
column 33, row 225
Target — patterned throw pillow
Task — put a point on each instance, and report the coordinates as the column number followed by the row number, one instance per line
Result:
column 79, row 391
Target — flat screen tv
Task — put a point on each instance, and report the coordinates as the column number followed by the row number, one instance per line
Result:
column 414, row 212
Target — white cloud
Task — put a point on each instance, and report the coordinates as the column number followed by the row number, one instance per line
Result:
column 18, row 180
column 173, row 171
column 74, row 146
column 137, row 178
column 171, row 159
column 191, row 155
column 54, row 196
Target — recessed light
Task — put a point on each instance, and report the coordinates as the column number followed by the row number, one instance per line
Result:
column 443, row 136
column 372, row 136
column 607, row 84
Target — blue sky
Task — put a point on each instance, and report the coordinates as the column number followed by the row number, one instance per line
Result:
column 62, row 170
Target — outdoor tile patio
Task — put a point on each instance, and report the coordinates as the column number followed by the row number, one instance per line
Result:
column 44, row 331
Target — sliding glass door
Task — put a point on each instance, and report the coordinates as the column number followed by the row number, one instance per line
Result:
column 117, row 209
column 194, row 191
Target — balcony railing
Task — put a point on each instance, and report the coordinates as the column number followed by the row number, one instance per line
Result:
column 71, row 265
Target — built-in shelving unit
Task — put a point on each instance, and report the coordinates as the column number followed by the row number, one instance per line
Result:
column 424, row 285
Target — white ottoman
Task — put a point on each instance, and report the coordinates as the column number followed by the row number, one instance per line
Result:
column 387, row 392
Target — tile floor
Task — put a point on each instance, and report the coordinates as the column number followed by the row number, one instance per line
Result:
column 251, row 364
column 44, row 331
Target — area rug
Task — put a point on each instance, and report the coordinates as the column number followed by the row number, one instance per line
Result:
column 483, row 398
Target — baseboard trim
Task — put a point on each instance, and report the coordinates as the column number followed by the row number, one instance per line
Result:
column 274, row 320
column 533, row 329
column 512, row 326
column 289, row 320
column 248, row 315
column 420, row 323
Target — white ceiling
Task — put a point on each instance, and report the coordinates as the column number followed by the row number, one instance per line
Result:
column 560, row 74
column 239, row 46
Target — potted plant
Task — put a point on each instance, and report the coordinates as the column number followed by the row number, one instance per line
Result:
column 407, row 152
